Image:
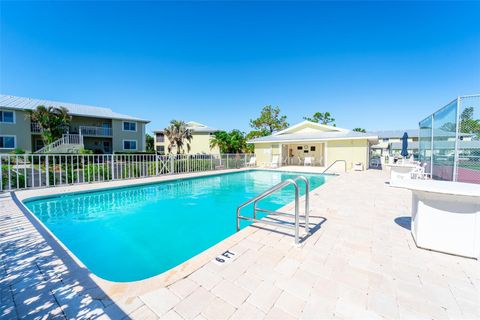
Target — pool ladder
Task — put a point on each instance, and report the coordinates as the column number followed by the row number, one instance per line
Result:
column 296, row 215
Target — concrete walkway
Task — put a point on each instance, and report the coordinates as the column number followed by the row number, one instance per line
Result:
column 360, row 262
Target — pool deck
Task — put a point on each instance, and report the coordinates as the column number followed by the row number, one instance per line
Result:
column 360, row 262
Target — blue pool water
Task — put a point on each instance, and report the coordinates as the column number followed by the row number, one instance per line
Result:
column 134, row 233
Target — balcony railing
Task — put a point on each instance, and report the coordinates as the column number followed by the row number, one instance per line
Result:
column 95, row 131
column 35, row 128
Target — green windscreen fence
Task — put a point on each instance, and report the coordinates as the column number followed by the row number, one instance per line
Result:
column 449, row 141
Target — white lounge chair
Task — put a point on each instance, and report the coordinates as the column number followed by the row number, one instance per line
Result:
column 274, row 163
column 252, row 162
column 308, row 161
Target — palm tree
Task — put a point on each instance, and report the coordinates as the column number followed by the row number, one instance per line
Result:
column 53, row 122
column 178, row 136
column 221, row 140
column 229, row 142
column 359, row 130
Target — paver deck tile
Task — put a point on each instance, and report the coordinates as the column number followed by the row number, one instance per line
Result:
column 359, row 262
column 160, row 300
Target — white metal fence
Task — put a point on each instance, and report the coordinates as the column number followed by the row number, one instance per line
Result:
column 49, row 170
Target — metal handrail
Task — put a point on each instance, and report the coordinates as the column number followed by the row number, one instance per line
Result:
column 345, row 162
column 270, row 191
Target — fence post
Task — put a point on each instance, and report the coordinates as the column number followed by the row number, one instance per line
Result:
column 172, row 167
column 188, row 163
column 113, row 166
column 245, row 156
column 227, row 162
column 455, row 155
column 156, row 164
column 211, row 162
column 46, row 170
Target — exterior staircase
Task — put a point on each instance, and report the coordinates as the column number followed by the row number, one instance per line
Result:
column 68, row 143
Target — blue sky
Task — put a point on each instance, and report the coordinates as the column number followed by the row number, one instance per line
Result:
column 376, row 65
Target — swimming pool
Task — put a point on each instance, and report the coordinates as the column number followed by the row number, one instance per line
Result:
column 133, row 233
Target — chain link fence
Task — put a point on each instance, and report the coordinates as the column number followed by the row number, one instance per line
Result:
column 449, row 141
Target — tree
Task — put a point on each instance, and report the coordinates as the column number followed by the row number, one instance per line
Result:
column 359, row 130
column 323, row 118
column 149, row 143
column 220, row 139
column 269, row 121
column 53, row 122
column 238, row 142
column 229, row 142
column 178, row 136
column 468, row 124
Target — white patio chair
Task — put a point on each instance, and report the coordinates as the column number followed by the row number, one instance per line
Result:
column 274, row 163
column 419, row 173
column 308, row 161
column 252, row 162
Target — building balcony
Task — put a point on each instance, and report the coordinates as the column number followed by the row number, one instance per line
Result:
column 95, row 131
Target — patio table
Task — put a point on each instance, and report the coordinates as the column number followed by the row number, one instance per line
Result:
column 445, row 216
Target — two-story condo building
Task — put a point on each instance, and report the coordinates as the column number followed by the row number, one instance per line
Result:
column 200, row 143
column 390, row 142
column 99, row 129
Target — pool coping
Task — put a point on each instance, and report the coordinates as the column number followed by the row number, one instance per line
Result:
column 135, row 288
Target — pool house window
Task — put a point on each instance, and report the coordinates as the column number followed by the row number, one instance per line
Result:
column 7, row 142
column 7, row 117
column 129, row 126
column 129, row 144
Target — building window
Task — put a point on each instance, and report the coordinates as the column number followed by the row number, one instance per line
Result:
column 160, row 137
column 129, row 144
column 7, row 117
column 385, row 139
column 129, row 126
column 161, row 149
column 7, row 142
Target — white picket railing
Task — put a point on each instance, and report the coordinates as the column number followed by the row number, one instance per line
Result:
column 75, row 139
column 47, row 170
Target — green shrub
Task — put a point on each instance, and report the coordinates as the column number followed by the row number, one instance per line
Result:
column 15, row 179
column 18, row 151
column 85, row 151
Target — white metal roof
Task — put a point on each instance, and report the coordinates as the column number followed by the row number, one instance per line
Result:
column 316, row 136
column 21, row 103
column 311, row 123
column 412, row 133
column 197, row 127
column 332, row 133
